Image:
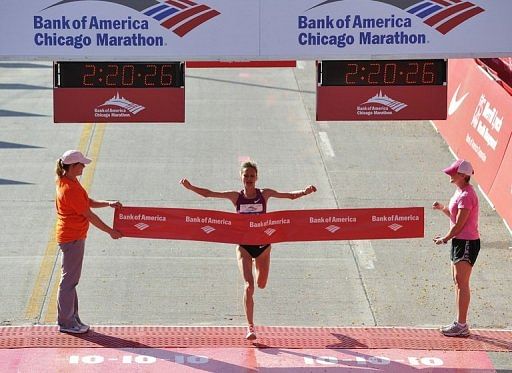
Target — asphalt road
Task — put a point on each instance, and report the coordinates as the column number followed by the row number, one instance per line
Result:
column 267, row 115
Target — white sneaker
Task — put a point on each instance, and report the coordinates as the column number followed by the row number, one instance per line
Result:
column 456, row 330
column 251, row 335
column 76, row 329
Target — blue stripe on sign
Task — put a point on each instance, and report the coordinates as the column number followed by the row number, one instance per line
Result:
column 429, row 11
column 420, row 7
column 156, row 9
column 165, row 13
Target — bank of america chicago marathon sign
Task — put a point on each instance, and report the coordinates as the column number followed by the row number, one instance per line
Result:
column 442, row 15
column 178, row 16
column 341, row 26
column 231, row 29
column 183, row 16
column 366, row 28
column 278, row 226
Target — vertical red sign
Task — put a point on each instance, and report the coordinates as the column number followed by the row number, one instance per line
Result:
column 478, row 125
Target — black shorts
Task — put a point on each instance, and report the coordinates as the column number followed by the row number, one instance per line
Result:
column 465, row 250
column 255, row 250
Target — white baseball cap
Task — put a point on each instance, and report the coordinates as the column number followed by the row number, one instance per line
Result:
column 460, row 166
column 74, row 156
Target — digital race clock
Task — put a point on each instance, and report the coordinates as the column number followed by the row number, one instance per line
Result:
column 383, row 73
column 118, row 74
column 106, row 92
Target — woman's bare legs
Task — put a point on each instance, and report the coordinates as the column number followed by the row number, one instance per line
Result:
column 461, row 274
column 245, row 267
column 262, row 264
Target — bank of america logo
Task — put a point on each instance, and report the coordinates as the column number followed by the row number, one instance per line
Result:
column 141, row 226
column 395, row 227
column 207, row 229
column 332, row 228
column 443, row 15
column 179, row 16
column 382, row 99
column 269, row 232
column 122, row 102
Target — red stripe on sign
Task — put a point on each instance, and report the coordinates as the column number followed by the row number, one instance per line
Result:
column 446, row 13
column 278, row 226
column 193, row 23
column 442, row 2
column 177, row 4
column 184, row 15
column 188, row 2
column 454, row 22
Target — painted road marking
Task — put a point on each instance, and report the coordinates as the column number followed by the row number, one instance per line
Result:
column 237, row 360
column 364, row 253
column 325, row 144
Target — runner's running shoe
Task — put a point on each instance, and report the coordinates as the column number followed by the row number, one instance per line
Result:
column 251, row 335
column 448, row 327
column 455, row 330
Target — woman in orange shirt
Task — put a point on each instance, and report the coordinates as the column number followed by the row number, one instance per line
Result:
column 73, row 217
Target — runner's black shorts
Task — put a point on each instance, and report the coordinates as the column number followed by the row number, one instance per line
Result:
column 255, row 250
column 465, row 250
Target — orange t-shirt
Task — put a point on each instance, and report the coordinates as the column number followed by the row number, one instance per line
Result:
column 71, row 202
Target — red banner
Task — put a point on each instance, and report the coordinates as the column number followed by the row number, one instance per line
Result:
column 278, row 226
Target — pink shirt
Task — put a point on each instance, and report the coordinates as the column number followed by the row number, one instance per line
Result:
column 465, row 198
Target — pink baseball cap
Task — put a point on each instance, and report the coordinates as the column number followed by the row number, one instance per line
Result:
column 74, row 156
column 459, row 166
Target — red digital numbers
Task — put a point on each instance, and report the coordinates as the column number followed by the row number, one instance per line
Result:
column 149, row 78
column 412, row 74
column 111, row 78
column 166, row 75
column 428, row 75
column 351, row 76
column 89, row 75
column 384, row 73
column 390, row 73
column 128, row 75
column 374, row 76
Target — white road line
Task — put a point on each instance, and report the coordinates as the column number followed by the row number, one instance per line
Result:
column 326, row 144
column 365, row 253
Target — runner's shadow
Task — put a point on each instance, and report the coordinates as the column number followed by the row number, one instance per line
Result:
column 345, row 342
column 507, row 345
column 189, row 361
